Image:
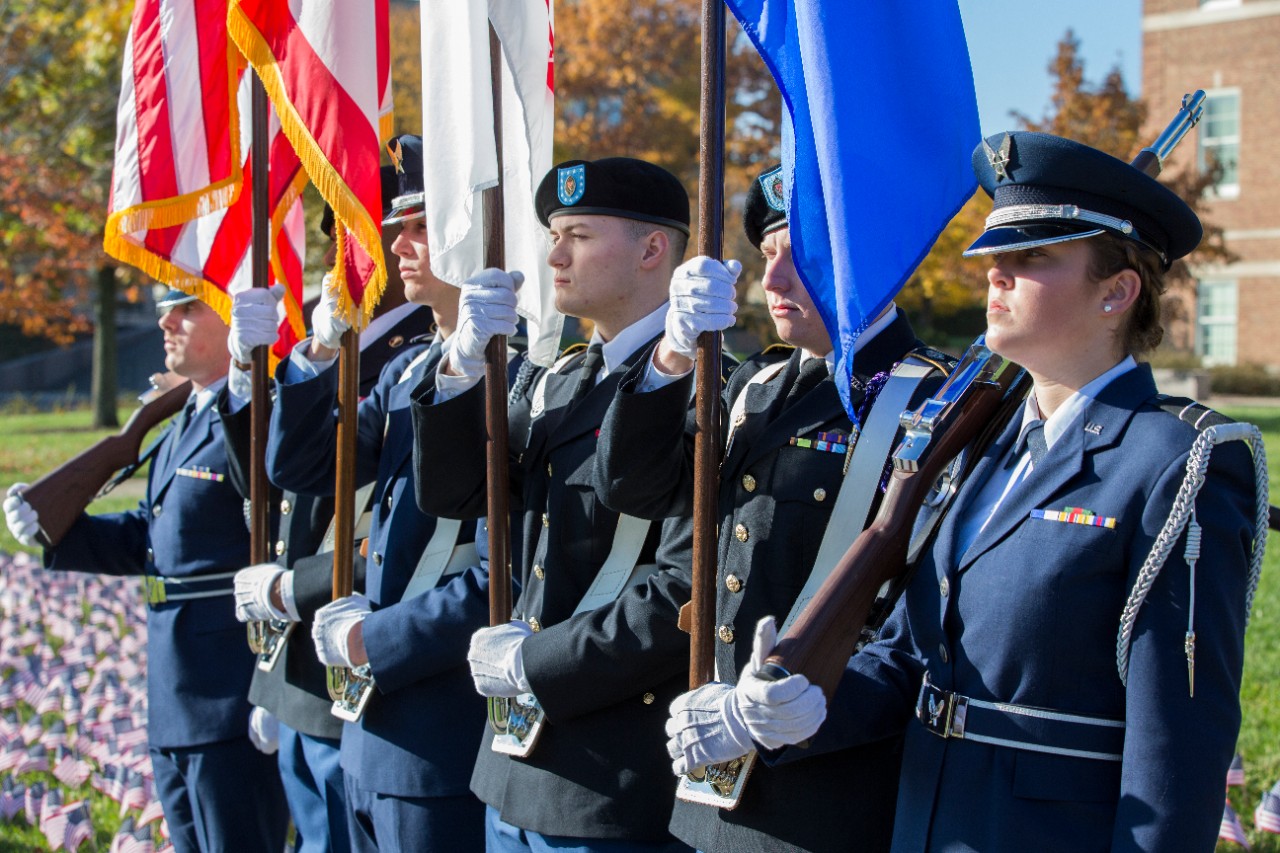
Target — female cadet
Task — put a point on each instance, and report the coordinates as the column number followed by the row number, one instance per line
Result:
column 1032, row 732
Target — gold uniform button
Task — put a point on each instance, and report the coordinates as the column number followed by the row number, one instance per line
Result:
column 279, row 547
column 742, row 533
column 538, row 572
column 535, row 624
column 734, row 583
column 647, row 698
column 725, row 633
column 546, row 522
column 740, row 419
column 748, row 482
column 944, row 588
column 819, row 495
column 286, row 507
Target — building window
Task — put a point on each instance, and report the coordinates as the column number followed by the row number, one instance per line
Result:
column 1220, row 140
column 1216, row 322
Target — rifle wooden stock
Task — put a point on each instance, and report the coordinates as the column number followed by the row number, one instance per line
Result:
column 823, row 638
column 61, row 495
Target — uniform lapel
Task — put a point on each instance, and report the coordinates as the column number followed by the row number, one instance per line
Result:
column 397, row 450
column 1101, row 425
column 588, row 413
column 197, row 434
column 813, row 410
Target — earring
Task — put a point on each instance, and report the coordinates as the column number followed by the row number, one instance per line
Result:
column 1106, row 308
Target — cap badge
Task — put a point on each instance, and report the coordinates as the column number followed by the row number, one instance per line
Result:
column 571, row 183
column 397, row 158
column 771, row 183
column 999, row 160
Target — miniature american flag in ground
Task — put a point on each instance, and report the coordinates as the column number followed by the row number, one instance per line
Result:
column 73, row 707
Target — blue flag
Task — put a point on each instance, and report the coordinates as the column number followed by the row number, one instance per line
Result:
column 879, row 122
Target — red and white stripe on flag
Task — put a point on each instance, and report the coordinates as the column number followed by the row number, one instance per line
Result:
column 327, row 68
column 1231, row 829
column 458, row 145
column 180, row 200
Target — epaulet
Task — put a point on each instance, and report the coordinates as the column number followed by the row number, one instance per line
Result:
column 929, row 355
column 566, row 356
column 1190, row 412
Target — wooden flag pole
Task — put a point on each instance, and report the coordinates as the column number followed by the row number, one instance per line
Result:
column 259, row 498
column 344, row 509
column 495, row 377
column 707, row 449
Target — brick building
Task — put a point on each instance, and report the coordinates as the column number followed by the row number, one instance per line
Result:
column 1231, row 49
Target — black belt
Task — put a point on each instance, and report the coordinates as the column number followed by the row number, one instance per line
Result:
column 160, row 590
column 950, row 715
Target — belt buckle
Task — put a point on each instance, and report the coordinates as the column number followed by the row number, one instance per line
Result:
column 942, row 712
column 153, row 589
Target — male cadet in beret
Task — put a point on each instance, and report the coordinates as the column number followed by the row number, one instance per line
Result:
column 603, row 667
column 787, row 449
column 187, row 539
column 407, row 761
column 293, row 692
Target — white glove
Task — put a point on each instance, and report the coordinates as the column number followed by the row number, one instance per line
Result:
column 21, row 517
column 326, row 326
column 775, row 713
column 702, row 300
column 253, row 592
column 254, row 321
column 264, row 730
column 497, row 666
column 699, row 731
column 332, row 628
column 487, row 307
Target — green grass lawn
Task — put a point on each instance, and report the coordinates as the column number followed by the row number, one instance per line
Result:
column 30, row 445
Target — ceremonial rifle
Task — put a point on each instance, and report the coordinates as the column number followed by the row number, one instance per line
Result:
column 61, row 495
column 822, row 639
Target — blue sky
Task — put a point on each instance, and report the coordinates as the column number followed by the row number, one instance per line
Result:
column 1012, row 41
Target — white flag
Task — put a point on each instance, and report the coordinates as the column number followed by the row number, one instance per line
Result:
column 458, row 151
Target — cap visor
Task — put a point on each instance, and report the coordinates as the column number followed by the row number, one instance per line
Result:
column 1014, row 239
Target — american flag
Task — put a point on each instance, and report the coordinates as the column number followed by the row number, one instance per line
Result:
column 1266, row 817
column 79, row 828
column 1231, row 830
column 1235, row 773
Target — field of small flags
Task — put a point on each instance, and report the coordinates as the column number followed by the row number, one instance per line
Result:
column 74, row 771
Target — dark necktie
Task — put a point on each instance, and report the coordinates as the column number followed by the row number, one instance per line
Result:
column 1032, row 441
column 185, row 417
column 587, row 372
column 813, row 371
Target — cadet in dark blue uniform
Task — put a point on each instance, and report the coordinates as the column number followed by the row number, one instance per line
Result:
column 300, row 581
column 408, row 760
column 776, row 496
column 1078, row 629
column 597, row 779
column 218, row 791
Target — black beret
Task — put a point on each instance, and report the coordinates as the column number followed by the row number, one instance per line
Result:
column 1047, row 189
column 390, row 188
column 408, row 194
column 765, row 210
column 614, row 186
